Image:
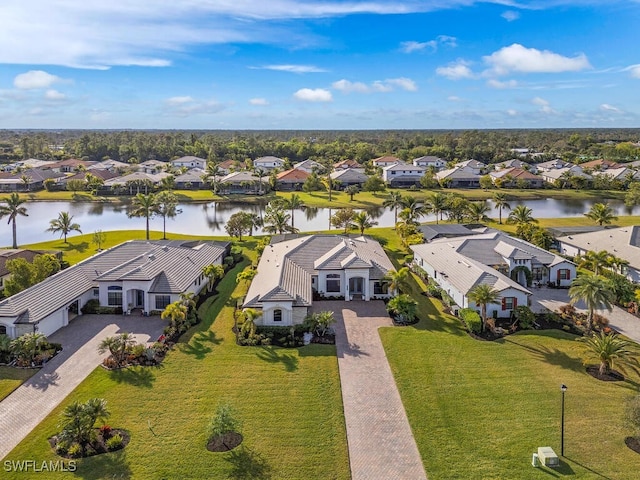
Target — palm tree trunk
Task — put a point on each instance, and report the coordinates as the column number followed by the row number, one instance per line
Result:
column 147, row 227
column 500, row 213
column 15, row 236
column 164, row 227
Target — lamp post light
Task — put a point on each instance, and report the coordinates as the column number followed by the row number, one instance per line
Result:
column 563, row 388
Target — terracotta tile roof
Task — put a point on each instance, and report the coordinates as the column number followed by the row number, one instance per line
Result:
column 293, row 175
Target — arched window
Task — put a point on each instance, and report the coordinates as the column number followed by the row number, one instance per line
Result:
column 3, row 330
column 277, row 315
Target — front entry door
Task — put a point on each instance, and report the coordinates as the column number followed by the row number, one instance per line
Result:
column 355, row 285
column 140, row 298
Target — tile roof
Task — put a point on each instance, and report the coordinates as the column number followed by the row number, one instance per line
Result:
column 293, row 175
column 623, row 242
column 387, row 159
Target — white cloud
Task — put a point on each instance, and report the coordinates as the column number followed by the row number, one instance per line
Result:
column 456, row 70
column 512, row 113
column 292, row 68
column 35, row 79
column 186, row 106
column 259, row 101
column 510, row 15
column 380, row 86
column 544, row 105
column 54, row 95
column 634, row 70
column 413, row 46
column 605, row 107
column 176, row 101
column 454, row 98
column 313, row 95
column 516, row 58
column 493, row 83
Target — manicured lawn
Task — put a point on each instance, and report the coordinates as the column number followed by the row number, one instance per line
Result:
column 11, row 378
column 480, row 409
column 288, row 399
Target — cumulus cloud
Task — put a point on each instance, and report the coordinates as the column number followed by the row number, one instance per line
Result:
column 381, row 86
column 456, row 70
column 544, row 105
column 605, row 107
column 634, row 70
column 313, row 95
column 493, row 83
column 431, row 45
column 54, row 95
column 186, row 106
column 517, row 58
column 175, row 101
column 510, row 15
column 259, row 101
column 511, row 112
column 35, row 79
column 292, row 68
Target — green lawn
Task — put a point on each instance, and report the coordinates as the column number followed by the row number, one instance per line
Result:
column 11, row 378
column 480, row 409
column 288, row 399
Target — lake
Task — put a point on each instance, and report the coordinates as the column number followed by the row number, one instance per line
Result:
column 210, row 218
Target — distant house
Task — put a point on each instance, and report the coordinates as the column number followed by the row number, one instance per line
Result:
column 430, row 161
column 472, row 165
column 136, row 182
column 192, row 179
column 292, row 271
column 133, row 275
column 600, row 164
column 459, row 177
column 509, row 265
column 552, row 165
column 243, row 183
column 152, row 166
column 349, row 177
column 292, row 179
column 268, row 163
column 400, row 175
column 228, row 166
column 623, row 242
column 26, row 164
column 346, row 164
column 551, row 176
column 30, row 180
column 433, row 232
column 308, row 166
column 385, row 161
column 110, row 165
column 621, row 174
column 514, row 177
column 515, row 163
column 7, row 254
column 189, row 162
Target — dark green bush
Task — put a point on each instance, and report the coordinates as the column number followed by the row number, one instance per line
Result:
column 91, row 307
column 471, row 319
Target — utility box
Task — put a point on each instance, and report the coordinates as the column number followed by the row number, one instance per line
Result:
column 548, row 457
column 534, row 460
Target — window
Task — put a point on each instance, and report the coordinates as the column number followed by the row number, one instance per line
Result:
column 277, row 315
column 333, row 283
column 509, row 303
column 96, row 292
column 380, row 288
column 114, row 296
column 564, row 274
column 3, row 330
column 162, row 301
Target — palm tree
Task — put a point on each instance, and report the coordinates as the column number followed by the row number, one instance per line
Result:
column 276, row 220
column 26, row 346
column 328, row 183
column 144, row 206
column 438, row 204
column 394, row 201
column 595, row 291
column 260, row 173
column 213, row 272
column 477, row 211
column 483, row 295
column 362, row 221
column 12, row 208
column 594, row 261
column 246, row 275
column 397, row 281
column 351, row 190
column 168, row 183
column 601, row 213
column 63, row 224
column 166, row 206
column 293, row 203
column 176, row 312
column 412, row 209
column 500, row 202
column 521, row 215
column 117, row 346
column 26, row 181
column 78, row 420
column 249, row 325
column 610, row 350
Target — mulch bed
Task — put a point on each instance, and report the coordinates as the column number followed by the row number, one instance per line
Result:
column 505, row 325
column 225, row 442
column 327, row 339
column 612, row 376
column 633, row 443
column 99, row 446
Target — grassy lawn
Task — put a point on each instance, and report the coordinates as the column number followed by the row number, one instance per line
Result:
column 11, row 378
column 288, row 399
column 480, row 409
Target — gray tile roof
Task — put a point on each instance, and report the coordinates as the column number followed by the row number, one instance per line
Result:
column 173, row 265
column 429, row 232
column 623, row 242
column 285, row 268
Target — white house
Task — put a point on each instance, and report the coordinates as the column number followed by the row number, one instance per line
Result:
column 474, row 165
column 430, row 161
column 292, row 271
column 459, row 177
column 189, row 162
column 552, row 165
column 551, row 176
column 508, row 264
column 268, row 163
column 145, row 275
column 152, row 166
column 308, row 166
column 385, row 161
column 623, row 242
column 402, row 174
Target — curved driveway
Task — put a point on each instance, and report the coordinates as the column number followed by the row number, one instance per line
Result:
column 30, row 403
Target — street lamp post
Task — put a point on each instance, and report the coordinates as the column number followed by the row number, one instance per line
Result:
column 563, row 388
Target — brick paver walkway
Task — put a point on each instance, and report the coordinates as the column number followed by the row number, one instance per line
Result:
column 30, row 403
column 381, row 444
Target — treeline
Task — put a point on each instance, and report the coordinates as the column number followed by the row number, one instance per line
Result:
column 488, row 146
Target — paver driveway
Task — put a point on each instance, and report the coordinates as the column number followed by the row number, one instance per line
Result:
column 30, row 403
column 381, row 444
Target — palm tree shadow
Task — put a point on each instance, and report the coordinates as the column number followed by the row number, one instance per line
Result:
column 137, row 376
column 247, row 464
column 272, row 355
column 549, row 355
column 197, row 344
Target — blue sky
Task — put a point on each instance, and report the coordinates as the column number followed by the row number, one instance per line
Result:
column 283, row 64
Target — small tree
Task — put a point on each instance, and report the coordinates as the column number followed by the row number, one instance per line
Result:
column 343, row 218
column 117, row 346
column 320, row 322
column 213, row 272
column 483, row 294
column 610, row 350
column 26, row 346
column 223, row 422
column 99, row 237
column 78, row 419
column 398, row 280
column 351, row 190
column 403, row 307
column 239, row 224
column 63, row 224
column 246, row 275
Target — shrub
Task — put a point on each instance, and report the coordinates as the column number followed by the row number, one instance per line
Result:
column 471, row 319
column 91, row 307
column 62, row 447
column 228, row 262
column 632, row 414
column 138, row 350
column 115, row 442
column 408, row 259
column 600, row 320
column 74, row 450
column 105, row 431
column 223, row 422
column 525, row 317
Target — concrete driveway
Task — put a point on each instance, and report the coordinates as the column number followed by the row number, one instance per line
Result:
column 30, row 403
column 550, row 299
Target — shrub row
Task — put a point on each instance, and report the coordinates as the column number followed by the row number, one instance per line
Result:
column 471, row 319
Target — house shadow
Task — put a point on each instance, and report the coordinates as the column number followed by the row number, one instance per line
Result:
column 548, row 355
column 317, row 350
column 247, row 464
column 200, row 344
column 277, row 355
column 111, row 465
column 137, row 376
